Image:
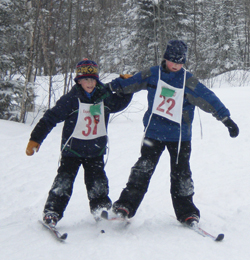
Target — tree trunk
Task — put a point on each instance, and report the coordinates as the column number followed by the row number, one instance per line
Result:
column 30, row 67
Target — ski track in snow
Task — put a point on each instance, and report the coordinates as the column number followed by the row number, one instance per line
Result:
column 221, row 173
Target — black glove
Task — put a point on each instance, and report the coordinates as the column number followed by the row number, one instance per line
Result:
column 232, row 127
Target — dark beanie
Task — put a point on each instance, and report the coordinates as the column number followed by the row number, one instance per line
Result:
column 86, row 69
column 176, row 51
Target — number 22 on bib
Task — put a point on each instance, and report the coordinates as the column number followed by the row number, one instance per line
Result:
column 168, row 101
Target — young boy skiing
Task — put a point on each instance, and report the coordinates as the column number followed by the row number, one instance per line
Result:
column 173, row 94
column 85, row 111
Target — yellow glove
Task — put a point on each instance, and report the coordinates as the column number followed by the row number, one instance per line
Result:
column 125, row 76
column 32, row 147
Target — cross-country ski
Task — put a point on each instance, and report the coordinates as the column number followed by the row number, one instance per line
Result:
column 55, row 232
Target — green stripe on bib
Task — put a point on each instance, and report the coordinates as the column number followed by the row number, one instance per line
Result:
column 95, row 110
column 166, row 92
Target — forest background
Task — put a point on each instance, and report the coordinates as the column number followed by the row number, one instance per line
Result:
column 48, row 38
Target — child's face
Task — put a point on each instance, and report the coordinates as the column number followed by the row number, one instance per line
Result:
column 88, row 84
column 173, row 67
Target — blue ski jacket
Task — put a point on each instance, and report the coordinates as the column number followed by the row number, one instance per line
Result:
column 66, row 110
column 195, row 94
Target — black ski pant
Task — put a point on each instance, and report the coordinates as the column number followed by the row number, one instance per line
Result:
column 182, row 188
column 95, row 180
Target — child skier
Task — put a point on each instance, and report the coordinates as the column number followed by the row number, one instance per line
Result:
column 173, row 94
column 85, row 111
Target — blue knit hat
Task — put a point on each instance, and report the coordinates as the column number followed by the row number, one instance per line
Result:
column 176, row 51
column 86, row 69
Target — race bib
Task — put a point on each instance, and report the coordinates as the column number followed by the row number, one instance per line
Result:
column 168, row 101
column 90, row 122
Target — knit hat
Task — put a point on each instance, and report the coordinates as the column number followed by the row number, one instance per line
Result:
column 86, row 69
column 176, row 51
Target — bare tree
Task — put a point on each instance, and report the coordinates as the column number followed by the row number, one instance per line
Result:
column 30, row 72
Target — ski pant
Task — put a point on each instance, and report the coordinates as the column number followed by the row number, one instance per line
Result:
column 182, row 188
column 95, row 180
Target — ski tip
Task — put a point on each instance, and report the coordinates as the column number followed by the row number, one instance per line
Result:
column 63, row 236
column 219, row 237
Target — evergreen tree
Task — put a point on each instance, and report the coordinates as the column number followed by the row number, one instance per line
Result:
column 13, row 24
column 141, row 44
column 11, row 96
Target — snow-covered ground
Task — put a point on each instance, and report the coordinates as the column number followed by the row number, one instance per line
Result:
column 221, row 172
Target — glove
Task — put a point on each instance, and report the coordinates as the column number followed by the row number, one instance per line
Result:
column 32, row 147
column 232, row 127
column 125, row 76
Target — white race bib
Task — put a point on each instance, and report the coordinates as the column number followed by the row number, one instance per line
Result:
column 168, row 101
column 90, row 122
